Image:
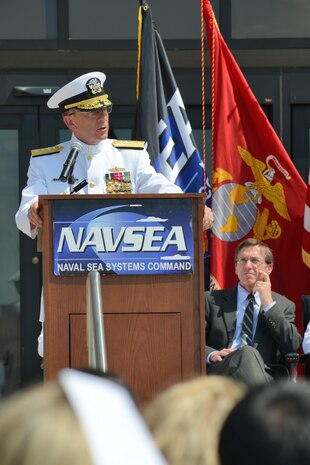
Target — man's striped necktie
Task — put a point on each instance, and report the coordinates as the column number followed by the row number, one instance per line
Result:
column 247, row 323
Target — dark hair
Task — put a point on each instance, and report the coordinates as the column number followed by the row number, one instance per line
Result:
column 270, row 425
column 251, row 242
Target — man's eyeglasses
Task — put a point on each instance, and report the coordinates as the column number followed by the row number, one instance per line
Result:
column 254, row 261
column 94, row 113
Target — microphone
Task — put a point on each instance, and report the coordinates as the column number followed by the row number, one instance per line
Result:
column 76, row 147
column 79, row 186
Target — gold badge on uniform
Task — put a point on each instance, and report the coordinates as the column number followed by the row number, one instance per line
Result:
column 118, row 181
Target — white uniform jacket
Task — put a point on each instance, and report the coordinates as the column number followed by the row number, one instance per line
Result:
column 92, row 164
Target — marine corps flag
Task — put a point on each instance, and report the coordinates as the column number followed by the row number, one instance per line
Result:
column 256, row 189
column 161, row 118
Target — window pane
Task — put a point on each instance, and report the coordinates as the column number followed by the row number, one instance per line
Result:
column 275, row 19
column 30, row 19
column 9, row 270
column 308, row 178
column 119, row 20
column 64, row 135
column 9, row 190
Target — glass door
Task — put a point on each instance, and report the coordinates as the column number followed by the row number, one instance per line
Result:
column 21, row 129
column 17, row 134
column 300, row 150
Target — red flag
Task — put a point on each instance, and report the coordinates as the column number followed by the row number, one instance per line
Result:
column 256, row 189
column 306, row 234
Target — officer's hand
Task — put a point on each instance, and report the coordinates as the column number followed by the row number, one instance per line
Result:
column 34, row 217
column 208, row 218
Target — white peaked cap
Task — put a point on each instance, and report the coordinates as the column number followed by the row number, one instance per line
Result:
column 114, row 428
column 85, row 92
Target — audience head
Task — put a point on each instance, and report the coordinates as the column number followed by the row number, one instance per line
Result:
column 36, row 426
column 80, row 419
column 270, row 425
column 186, row 419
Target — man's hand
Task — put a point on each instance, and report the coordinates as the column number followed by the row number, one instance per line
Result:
column 263, row 287
column 208, row 218
column 34, row 217
column 218, row 355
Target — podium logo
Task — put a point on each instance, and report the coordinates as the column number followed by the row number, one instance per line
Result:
column 128, row 239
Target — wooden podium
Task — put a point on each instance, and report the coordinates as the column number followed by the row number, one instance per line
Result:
column 154, row 324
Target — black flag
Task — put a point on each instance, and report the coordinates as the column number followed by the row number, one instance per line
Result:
column 161, row 118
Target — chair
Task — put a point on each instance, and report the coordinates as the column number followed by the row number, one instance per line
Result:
column 305, row 358
column 287, row 368
column 293, row 359
column 306, row 310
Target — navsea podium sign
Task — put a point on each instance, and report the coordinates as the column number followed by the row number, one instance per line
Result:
column 123, row 236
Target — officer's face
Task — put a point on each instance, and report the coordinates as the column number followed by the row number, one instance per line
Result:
column 88, row 126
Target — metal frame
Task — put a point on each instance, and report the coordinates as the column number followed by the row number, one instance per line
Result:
column 241, row 44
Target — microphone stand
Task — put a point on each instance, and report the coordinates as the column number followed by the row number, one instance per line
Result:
column 71, row 180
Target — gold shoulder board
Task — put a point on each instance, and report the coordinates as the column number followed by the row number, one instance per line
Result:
column 128, row 144
column 46, row 151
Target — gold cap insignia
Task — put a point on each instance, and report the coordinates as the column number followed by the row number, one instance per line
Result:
column 94, row 86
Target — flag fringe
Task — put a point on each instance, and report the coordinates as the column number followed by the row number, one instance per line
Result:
column 139, row 51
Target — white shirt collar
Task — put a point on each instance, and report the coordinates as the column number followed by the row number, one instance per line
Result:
column 243, row 295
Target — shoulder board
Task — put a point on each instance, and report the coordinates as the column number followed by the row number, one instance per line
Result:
column 128, row 144
column 46, row 151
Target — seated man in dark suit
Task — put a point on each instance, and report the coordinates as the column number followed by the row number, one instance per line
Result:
column 249, row 328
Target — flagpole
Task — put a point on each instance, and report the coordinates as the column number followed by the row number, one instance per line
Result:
column 203, row 113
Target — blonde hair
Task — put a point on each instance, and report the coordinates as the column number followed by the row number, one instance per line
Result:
column 186, row 419
column 38, row 426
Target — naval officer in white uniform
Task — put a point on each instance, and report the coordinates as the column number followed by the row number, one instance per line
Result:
column 106, row 165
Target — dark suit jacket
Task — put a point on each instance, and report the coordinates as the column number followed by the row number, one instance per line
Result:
column 276, row 333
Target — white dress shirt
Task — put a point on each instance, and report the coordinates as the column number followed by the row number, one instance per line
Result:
column 242, row 302
column 306, row 340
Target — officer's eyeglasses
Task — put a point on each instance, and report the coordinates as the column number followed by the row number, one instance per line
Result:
column 94, row 113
